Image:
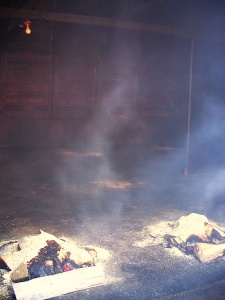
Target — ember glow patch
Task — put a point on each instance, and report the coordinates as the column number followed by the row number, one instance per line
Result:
column 115, row 184
column 70, row 153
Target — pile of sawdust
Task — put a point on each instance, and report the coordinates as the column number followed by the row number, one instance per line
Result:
column 153, row 234
column 19, row 251
column 183, row 233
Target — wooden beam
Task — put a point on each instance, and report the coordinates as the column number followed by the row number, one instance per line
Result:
column 11, row 13
column 147, row 6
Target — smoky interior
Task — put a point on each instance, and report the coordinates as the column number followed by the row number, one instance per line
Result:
column 109, row 127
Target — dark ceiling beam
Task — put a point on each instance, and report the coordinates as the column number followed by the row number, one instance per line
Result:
column 146, row 6
column 14, row 13
column 13, row 28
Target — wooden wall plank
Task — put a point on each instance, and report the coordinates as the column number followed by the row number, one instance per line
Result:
column 70, row 71
column 76, row 67
column 27, row 74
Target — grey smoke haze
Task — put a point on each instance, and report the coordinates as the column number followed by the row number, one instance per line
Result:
column 207, row 130
column 207, row 141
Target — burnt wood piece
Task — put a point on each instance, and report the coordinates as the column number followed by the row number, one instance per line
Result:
column 37, row 265
column 195, row 228
column 195, row 234
column 10, row 13
column 20, row 273
column 55, row 259
column 208, row 252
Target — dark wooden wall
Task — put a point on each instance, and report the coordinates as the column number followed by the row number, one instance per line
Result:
column 59, row 78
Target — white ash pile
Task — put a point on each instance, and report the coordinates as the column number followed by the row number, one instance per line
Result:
column 43, row 255
column 195, row 234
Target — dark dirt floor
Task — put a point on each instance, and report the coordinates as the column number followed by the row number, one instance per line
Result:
column 60, row 191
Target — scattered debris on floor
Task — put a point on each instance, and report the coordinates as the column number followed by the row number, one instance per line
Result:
column 192, row 234
column 42, row 260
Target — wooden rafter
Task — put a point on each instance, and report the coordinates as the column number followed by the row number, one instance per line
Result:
column 146, row 6
column 12, row 13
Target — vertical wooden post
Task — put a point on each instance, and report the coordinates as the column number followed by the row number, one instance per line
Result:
column 2, row 81
column 51, row 65
column 3, row 33
column 51, row 77
column 189, row 109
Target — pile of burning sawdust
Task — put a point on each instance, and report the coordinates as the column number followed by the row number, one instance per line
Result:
column 44, row 255
column 191, row 234
column 43, row 266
